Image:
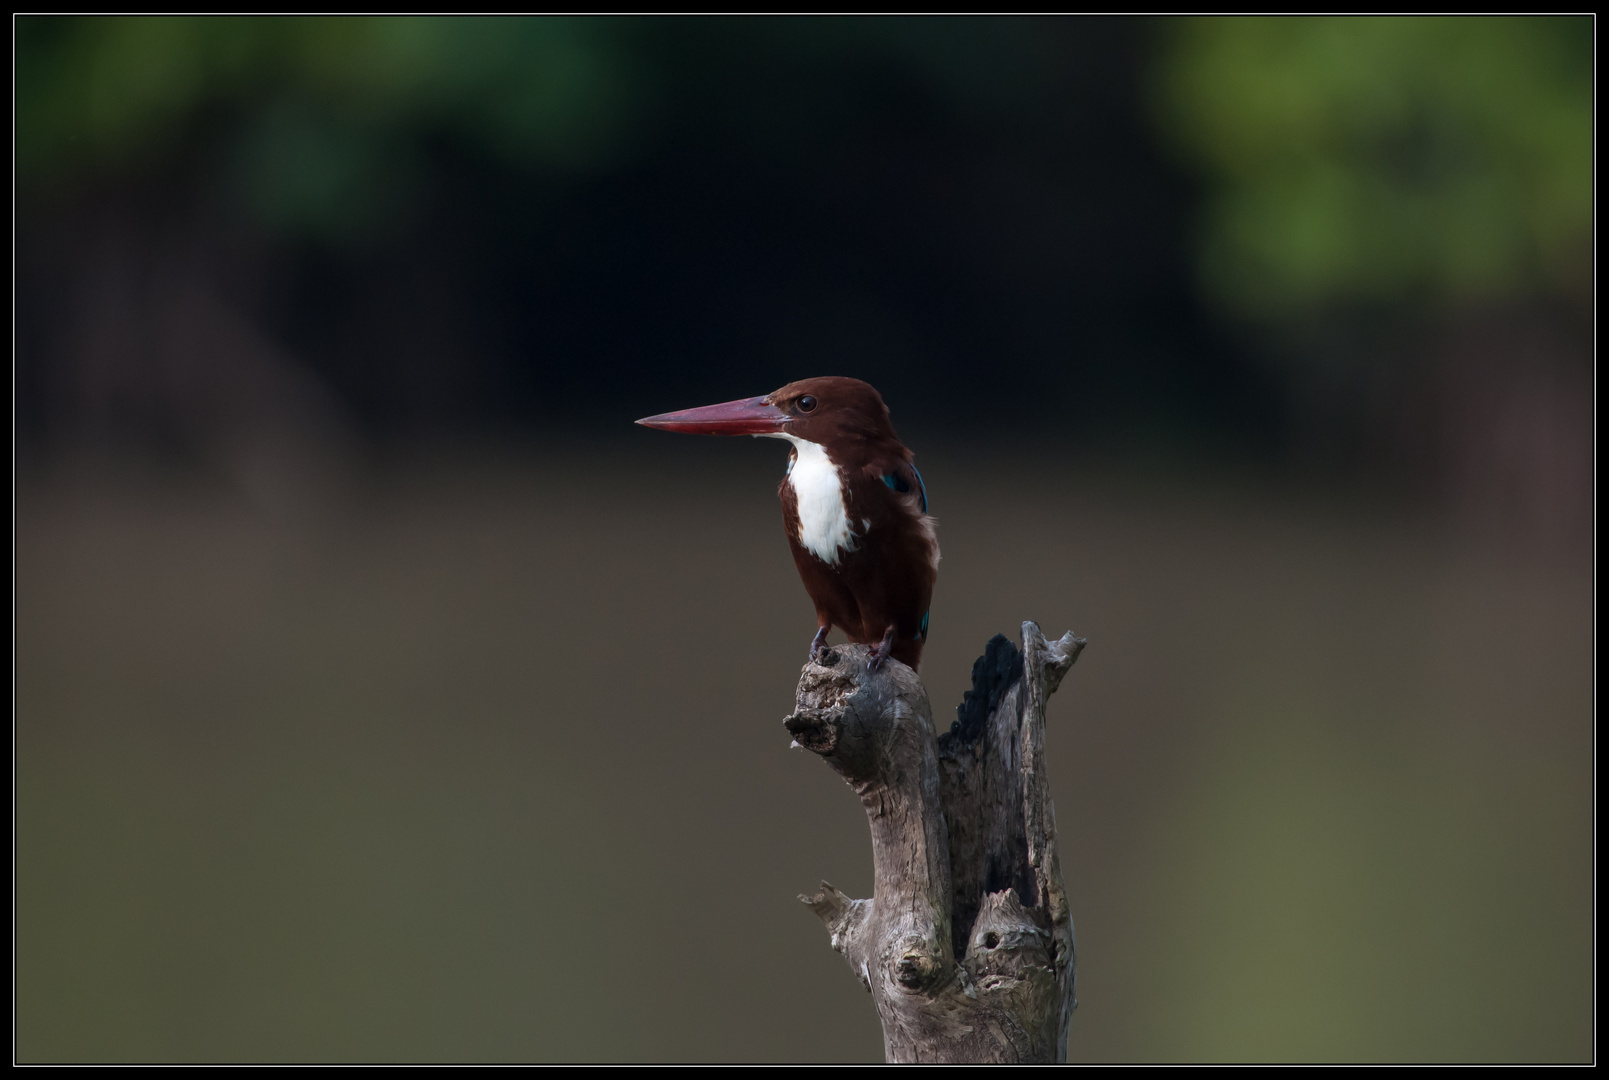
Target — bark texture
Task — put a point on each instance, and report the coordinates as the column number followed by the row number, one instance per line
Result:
column 967, row 944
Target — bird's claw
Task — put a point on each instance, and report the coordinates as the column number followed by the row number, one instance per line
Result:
column 880, row 651
column 818, row 645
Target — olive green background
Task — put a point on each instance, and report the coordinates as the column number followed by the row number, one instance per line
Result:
column 483, row 760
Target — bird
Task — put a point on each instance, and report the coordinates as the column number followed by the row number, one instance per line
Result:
column 854, row 508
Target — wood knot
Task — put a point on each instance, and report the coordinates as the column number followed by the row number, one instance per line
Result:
column 1007, row 943
column 918, row 966
column 814, row 729
column 915, row 970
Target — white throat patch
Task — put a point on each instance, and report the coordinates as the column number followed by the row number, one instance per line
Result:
column 824, row 528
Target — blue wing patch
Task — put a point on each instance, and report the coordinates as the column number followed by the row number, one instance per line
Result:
column 898, row 484
column 923, row 488
column 921, row 634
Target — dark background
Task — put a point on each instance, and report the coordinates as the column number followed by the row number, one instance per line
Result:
column 383, row 693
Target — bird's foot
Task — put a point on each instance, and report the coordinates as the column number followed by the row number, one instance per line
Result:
column 881, row 650
column 818, row 644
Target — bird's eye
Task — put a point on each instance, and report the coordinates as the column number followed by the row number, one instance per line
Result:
column 807, row 404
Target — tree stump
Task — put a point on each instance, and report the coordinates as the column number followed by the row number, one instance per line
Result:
column 967, row 944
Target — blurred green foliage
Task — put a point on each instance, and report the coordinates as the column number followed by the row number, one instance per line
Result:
column 1364, row 160
column 329, row 121
column 1402, row 159
column 324, row 113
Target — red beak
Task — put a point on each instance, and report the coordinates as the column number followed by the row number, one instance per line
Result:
column 750, row 416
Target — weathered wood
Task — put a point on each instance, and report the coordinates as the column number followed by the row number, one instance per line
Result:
column 967, row 943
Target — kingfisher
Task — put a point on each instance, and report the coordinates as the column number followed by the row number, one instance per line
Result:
column 853, row 506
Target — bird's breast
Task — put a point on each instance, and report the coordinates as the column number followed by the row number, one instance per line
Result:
column 818, row 488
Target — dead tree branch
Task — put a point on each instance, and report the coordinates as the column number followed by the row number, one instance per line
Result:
column 967, row 943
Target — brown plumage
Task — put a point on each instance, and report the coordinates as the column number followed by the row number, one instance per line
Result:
column 853, row 506
column 883, row 580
